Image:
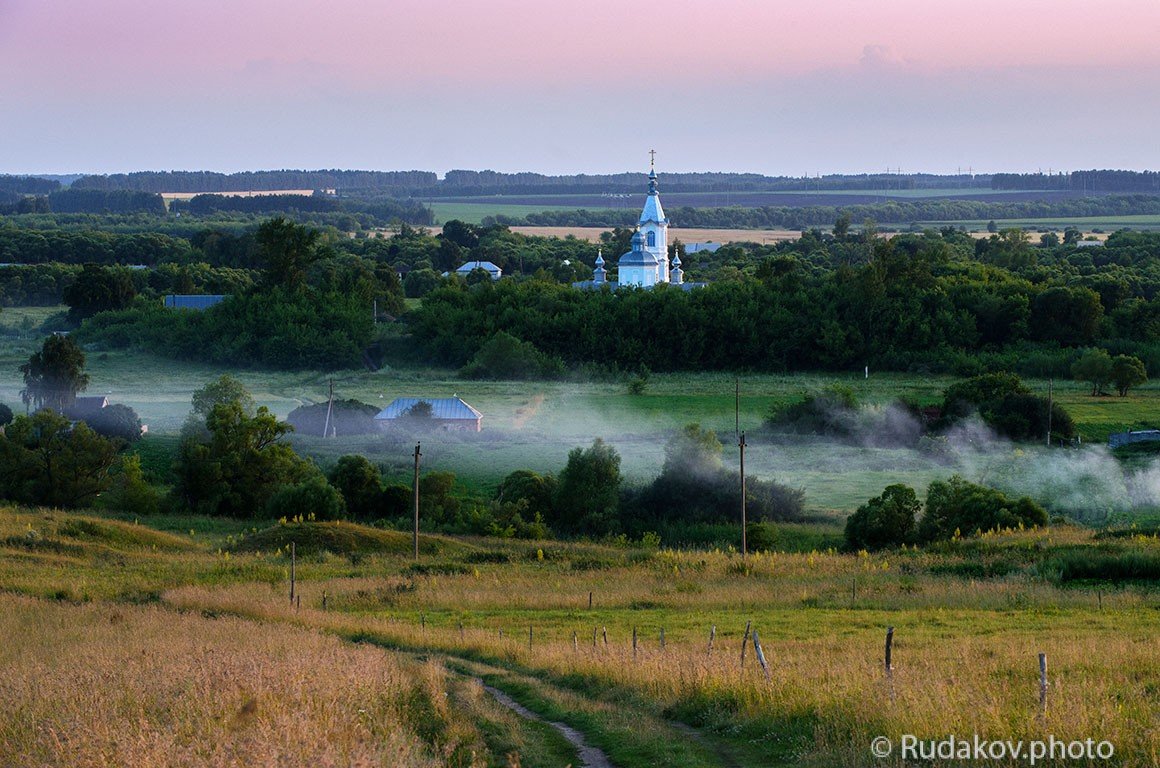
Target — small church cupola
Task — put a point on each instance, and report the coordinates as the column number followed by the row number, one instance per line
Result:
column 600, row 274
column 676, row 274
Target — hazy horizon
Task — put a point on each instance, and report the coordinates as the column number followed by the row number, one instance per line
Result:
column 760, row 86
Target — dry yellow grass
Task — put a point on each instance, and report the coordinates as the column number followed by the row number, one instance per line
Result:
column 167, row 196
column 105, row 685
column 691, row 235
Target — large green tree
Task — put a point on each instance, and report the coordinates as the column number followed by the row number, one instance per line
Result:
column 287, row 251
column 54, row 375
column 99, row 289
column 884, row 521
column 1095, row 367
column 1127, row 372
column 243, row 462
column 44, row 459
column 588, row 491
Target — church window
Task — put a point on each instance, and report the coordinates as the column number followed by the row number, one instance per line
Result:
column 652, row 239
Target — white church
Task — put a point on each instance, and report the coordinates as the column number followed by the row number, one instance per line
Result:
column 647, row 264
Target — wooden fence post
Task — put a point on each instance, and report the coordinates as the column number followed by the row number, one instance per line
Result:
column 889, row 647
column 324, row 600
column 590, row 601
column 594, row 637
column 662, row 638
column 745, row 642
column 760, row 654
column 529, row 637
column 293, row 562
column 574, row 640
column 1043, row 685
column 634, row 642
column 712, row 635
column 604, row 633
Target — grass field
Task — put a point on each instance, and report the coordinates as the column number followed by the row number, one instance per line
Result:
column 126, row 645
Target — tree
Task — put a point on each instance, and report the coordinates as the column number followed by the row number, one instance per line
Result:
column 99, row 289
column 241, row 464
column 589, row 491
column 1068, row 315
column 54, row 375
column 692, row 451
column 419, row 282
column 884, row 521
column 5, row 415
column 129, row 491
column 222, row 390
column 46, row 460
column 287, row 251
column 361, row 485
column 1127, row 372
column 1095, row 367
column 534, row 489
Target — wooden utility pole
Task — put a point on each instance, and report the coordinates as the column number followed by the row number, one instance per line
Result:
column 741, row 447
column 736, row 405
column 329, row 411
column 1050, row 393
column 415, row 536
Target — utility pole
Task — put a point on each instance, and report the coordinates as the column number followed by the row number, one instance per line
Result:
column 741, row 446
column 736, row 405
column 329, row 411
column 1050, row 392
column 415, row 536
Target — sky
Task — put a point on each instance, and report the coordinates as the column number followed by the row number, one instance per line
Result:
column 782, row 87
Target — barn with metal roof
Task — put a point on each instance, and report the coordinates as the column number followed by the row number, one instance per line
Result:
column 450, row 413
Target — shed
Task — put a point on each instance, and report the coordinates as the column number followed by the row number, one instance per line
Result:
column 1117, row 439
column 193, row 301
column 449, row 413
column 491, row 269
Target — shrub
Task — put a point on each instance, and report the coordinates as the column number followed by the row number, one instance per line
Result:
column 1105, row 566
column 760, row 537
column 312, row 499
column 116, row 421
column 130, row 492
column 957, row 507
column 884, row 521
column 961, row 398
column 5, row 415
column 503, row 356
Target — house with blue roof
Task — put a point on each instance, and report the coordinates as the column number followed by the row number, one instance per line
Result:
column 447, row 413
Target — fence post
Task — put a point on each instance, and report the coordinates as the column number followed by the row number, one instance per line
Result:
column 760, row 655
column 529, row 637
column 662, row 638
column 604, row 633
column 634, row 642
column 574, row 640
column 712, row 635
column 324, row 600
column 744, row 642
column 1043, row 685
column 889, row 647
column 590, row 601
column 293, row 562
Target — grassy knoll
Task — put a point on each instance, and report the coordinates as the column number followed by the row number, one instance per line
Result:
column 145, row 643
